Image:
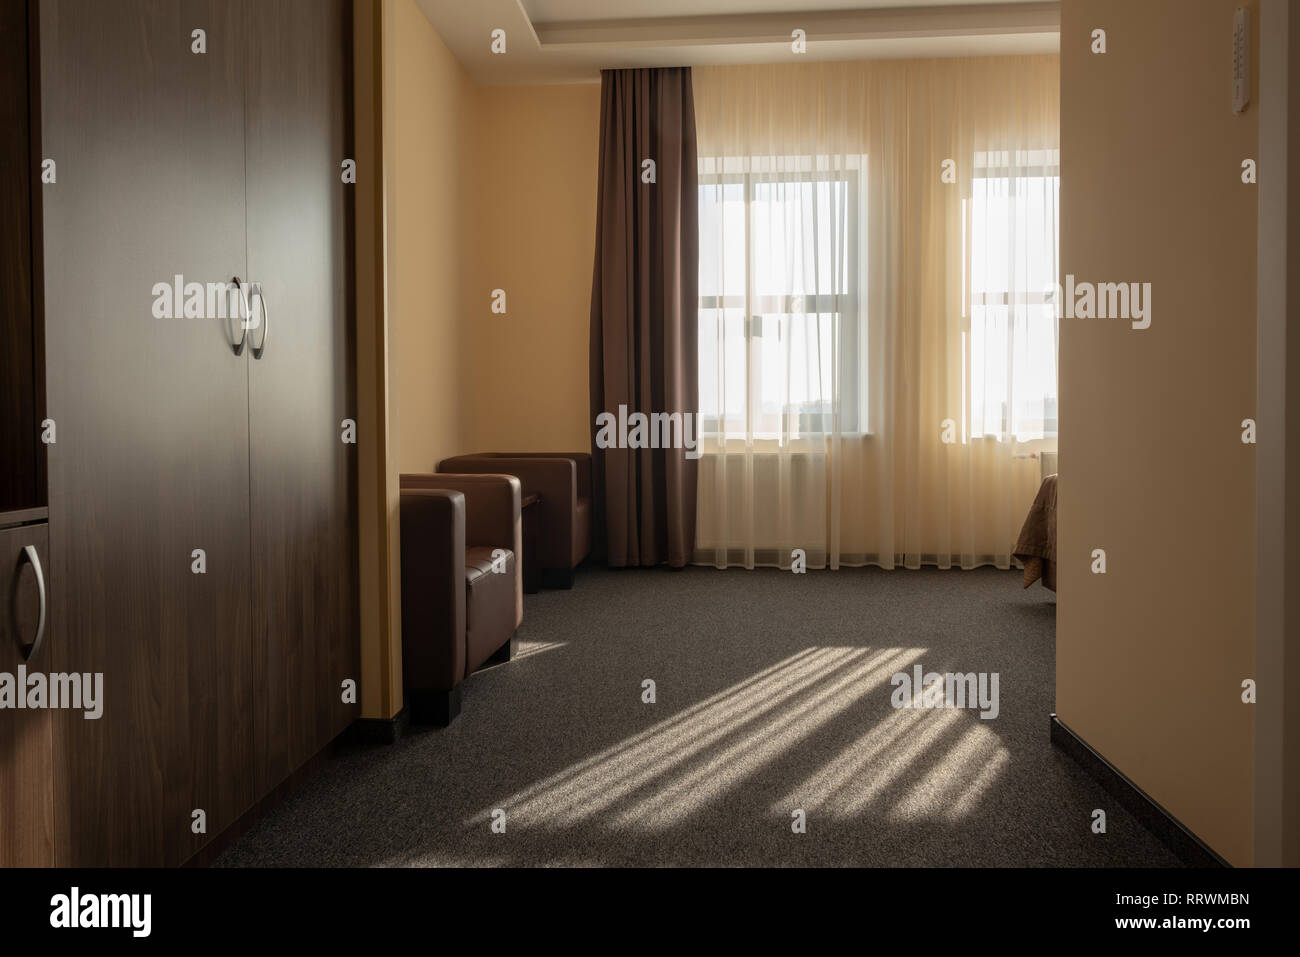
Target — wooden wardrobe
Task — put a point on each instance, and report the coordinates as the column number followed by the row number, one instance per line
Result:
column 201, row 496
column 26, row 588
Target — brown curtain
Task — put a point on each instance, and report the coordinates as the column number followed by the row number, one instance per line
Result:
column 644, row 303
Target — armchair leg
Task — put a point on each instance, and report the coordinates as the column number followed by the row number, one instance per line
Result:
column 505, row 652
column 433, row 706
column 561, row 578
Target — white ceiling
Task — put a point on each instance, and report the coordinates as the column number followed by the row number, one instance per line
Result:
column 570, row 41
column 545, row 11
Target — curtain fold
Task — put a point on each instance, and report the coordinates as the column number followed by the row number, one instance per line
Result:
column 877, row 339
column 644, row 325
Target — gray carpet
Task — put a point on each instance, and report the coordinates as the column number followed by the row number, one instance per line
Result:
column 773, row 694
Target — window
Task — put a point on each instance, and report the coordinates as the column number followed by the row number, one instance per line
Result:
column 778, row 336
column 1013, row 274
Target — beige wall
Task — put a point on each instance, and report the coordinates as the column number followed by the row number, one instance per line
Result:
column 428, row 123
column 1151, row 655
column 490, row 188
column 532, row 233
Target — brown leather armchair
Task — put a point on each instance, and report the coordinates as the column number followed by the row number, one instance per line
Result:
column 458, row 610
column 563, row 480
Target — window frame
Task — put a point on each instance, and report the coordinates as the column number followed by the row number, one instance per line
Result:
column 847, row 329
column 983, row 169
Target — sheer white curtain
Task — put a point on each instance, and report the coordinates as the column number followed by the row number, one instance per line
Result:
column 779, row 288
column 877, row 340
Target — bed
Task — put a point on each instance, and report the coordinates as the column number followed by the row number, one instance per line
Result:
column 1036, row 547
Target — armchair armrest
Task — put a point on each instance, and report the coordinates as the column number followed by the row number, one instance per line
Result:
column 433, row 587
column 582, row 467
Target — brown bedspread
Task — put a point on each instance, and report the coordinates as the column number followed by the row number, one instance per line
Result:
column 1036, row 546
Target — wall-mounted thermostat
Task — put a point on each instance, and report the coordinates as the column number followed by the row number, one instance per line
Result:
column 1240, row 60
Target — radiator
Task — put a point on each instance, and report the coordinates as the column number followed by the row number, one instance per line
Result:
column 1049, row 463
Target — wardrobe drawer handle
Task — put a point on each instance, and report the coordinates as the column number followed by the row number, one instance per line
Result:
column 266, row 319
column 29, row 554
column 241, row 325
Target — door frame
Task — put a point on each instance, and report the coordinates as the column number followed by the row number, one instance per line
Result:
column 1277, row 515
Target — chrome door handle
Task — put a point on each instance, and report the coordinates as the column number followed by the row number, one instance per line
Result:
column 239, row 346
column 29, row 554
column 266, row 320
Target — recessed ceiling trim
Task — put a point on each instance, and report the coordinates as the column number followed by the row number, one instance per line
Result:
column 532, row 28
column 576, row 50
column 993, row 19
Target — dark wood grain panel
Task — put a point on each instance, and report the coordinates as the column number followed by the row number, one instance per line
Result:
column 26, row 749
column 300, row 224
column 152, row 454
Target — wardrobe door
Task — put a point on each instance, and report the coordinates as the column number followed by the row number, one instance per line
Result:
column 26, row 771
column 305, row 639
column 26, row 775
column 144, row 118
